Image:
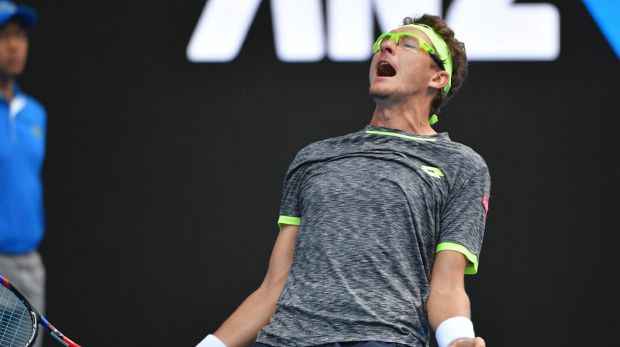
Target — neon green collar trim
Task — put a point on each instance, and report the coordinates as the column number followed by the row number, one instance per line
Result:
column 440, row 46
column 402, row 136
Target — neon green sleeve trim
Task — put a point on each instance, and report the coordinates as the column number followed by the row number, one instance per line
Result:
column 472, row 265
column 288, row 220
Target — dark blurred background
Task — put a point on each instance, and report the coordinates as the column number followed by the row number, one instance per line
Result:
column 163, row 177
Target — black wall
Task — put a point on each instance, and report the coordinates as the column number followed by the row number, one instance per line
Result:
column 163, row 177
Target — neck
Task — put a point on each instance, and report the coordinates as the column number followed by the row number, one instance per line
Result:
column 7, row 87
column 410, row 116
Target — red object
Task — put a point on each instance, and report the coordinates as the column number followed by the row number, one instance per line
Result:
column 6, row 282
column 485, row 203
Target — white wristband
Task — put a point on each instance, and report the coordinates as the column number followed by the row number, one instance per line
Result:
column 211, row 341
column 452, row 329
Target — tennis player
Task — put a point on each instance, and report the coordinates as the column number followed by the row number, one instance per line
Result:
column 378, row 227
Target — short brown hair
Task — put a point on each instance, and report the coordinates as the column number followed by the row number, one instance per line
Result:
column 457, row 50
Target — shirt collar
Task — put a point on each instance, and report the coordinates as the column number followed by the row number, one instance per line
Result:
column 378, row 130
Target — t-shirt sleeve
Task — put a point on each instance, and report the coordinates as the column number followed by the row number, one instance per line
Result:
column 463, row 218
column 290, row 209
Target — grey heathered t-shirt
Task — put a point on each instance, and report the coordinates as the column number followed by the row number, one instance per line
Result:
column 373, row 207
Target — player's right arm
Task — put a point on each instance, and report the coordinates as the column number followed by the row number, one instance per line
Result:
column 241, row 328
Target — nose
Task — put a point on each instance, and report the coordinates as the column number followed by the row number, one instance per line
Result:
column 388, row 46
column 12, row 42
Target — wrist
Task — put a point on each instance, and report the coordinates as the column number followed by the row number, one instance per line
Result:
column 211, row 341
column 453, row 329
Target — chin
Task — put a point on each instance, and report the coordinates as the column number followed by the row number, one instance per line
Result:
column 11, row 71
column 383, row 87
column 379, row 93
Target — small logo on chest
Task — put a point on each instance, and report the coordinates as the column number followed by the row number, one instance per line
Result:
column 432, row 171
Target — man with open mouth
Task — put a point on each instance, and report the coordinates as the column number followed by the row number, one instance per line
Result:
column 378, row 227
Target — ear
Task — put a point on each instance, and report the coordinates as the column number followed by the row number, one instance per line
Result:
column 439, row 79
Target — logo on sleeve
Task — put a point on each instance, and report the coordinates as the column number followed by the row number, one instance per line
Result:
column 485, row 203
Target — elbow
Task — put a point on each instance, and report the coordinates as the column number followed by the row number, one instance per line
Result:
column 270, row 290
column 444, row 304
column 437, row 292
column 446, row 296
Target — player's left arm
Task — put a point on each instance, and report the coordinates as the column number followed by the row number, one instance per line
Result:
column 447, row 298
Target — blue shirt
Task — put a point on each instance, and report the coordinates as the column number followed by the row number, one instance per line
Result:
column 22, row 149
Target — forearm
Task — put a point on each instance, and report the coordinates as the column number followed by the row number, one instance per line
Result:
column 241, row 328
column 446, row 303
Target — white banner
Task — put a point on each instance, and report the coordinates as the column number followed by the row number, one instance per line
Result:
column 491, row 29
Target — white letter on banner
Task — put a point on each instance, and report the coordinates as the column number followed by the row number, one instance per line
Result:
column 390, row 13
column 298, row 30
column 350, row 23
column 350, row 29
column 501, row 30
column 221, row 30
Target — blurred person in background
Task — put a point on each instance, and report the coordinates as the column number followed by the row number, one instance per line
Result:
column 22, row 150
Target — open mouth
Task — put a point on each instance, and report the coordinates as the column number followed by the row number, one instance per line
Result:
column 384, row 69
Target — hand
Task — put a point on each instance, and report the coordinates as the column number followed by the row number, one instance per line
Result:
column 469, row 342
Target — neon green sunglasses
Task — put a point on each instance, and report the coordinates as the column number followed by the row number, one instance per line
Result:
column 409, row 41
